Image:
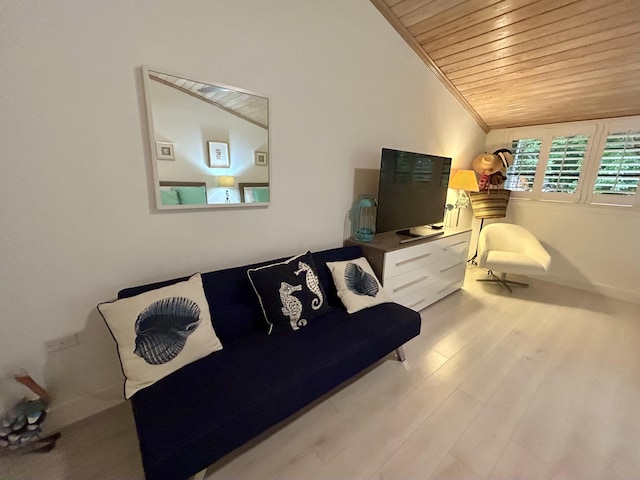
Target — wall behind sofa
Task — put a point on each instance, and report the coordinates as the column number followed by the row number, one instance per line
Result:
column 76, row 218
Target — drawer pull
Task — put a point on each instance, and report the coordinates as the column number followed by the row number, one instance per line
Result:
column 406, row 285
column 416, row 303
column 448, row 287
column 409, row 260
column 452, row 266
column 455, row 245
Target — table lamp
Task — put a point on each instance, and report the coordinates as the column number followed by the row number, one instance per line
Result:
column 226, row 181
column 463, row 180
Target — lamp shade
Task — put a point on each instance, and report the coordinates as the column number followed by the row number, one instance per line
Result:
column 226, row 181
column 464, row 180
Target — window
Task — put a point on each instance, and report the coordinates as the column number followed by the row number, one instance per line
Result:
column 565, row 163
column 595, row 162
column 548, row 162
column 521, row 174
column 619, row 170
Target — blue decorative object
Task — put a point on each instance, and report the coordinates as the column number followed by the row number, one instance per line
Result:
column 359, row 281
column 363, row 220
column 163, row 327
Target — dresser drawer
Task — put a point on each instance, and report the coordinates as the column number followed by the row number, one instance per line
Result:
column 409, row 281
column 434, row 278
column 410, row 258
column 407, row 259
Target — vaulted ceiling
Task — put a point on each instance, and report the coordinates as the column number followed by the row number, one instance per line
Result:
column 528, row 62
column 245, row 105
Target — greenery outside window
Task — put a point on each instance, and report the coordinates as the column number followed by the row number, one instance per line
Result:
column 564, row 164
column 521, row 174
column 618, row 173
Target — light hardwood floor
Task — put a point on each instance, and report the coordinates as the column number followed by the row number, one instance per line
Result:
column 543, row 383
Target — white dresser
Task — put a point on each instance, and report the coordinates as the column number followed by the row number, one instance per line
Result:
column 421, row 272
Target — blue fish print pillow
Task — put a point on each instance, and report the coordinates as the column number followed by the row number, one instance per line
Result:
column 357, row 285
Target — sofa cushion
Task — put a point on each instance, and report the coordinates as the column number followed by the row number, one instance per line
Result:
column 357, row 285
column 160, row 331
column 289, row 292
column 169, row 197
column 192, row 195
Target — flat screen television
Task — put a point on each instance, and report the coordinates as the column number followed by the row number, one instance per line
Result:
column 412, row 192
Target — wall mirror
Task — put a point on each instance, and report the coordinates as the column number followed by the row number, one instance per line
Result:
column 209, row 143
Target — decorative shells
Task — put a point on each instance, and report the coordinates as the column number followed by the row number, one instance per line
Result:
column 163, row 327
column 21, row 425
column 359, row 281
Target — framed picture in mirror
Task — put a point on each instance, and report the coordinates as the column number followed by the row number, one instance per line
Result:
column 219, row 155
column 261, row 159
column 164, row 151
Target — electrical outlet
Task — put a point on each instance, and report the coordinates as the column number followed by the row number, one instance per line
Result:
column 61, row 343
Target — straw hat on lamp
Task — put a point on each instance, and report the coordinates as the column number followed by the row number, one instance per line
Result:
column 487, row 163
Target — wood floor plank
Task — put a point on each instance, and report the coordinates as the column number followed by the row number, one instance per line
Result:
column 492, row 371
column 426, row 448
column 543, row 421
column 483, row 443
column 450, row 468
column 587, row 440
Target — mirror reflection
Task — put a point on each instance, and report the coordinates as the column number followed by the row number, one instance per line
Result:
column 210, row 143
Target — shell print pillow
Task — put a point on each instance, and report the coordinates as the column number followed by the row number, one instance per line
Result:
column 160, row 331
column 357, row 285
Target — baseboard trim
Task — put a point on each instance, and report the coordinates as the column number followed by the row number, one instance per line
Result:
column 632, row 296
column 83, row 406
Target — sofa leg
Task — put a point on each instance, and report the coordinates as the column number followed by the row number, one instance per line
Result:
column 200, row 475
column 400, row 354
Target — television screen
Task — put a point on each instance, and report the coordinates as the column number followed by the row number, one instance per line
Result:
column 412, row 191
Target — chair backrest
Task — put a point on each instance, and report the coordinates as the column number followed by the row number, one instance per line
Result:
column 508, row 237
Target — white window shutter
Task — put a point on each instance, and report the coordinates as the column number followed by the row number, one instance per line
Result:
column 566, row 156
column 619, row 171
column 521, row 174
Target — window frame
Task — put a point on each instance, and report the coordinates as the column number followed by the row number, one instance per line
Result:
column 547, row 134
column 591, row 198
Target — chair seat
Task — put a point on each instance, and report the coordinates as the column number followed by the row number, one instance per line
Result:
column 511, row 262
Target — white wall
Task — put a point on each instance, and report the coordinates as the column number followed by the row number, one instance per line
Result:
column 75, row 176
column 593, row 248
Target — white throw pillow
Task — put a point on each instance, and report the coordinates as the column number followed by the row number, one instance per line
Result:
column 357, row 285
column 160, row 331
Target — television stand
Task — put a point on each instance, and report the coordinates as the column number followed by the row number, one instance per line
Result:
column 419, row 273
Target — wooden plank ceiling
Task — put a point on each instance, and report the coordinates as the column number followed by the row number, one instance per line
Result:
column 528, row 62
column 247, row 106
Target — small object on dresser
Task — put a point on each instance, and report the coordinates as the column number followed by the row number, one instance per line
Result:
column 363, row 216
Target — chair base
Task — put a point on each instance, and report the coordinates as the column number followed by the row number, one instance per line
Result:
column 502, row 280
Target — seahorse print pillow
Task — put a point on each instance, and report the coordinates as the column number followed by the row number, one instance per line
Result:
column 160, row 331
column 289, row 293
column 357, row 285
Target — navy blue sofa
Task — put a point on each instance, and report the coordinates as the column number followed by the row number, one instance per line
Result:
column 198, row 414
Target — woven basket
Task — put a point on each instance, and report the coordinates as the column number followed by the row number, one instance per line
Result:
column 490, row 203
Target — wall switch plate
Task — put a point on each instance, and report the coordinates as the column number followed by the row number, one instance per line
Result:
column 61, row 343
